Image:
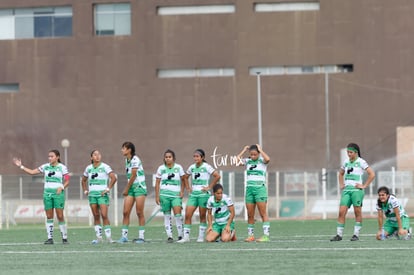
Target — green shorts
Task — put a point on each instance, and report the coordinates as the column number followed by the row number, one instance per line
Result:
column 220, row 227
column 169, row 202
column 352, row 196
column 256, row 194
column 52, row 200
column 200, row 201
column 97, row 198
column 136, row 190
column 392, row 226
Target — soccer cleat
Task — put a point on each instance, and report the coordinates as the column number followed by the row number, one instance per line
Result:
column 408, row 236
column 123, row 240
column 170, row 240
column 354, row 238
column 99, row 240
column 200, row 239
column 49, row 241
column 65, row 241
column 263, row 239
column 337, row 238
column 180, row 238
column 250, row 239
column 184, row 240
column 138, row 241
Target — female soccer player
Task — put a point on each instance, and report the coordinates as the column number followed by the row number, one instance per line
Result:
column 221, row 207
column 352, row 186
column 256, row 191
column 97, row 174
column 169, row 189
column 56, row 179
column 200, row 172
column 397, row 219
column 135, row 192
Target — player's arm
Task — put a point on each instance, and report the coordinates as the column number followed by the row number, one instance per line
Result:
column 214, row 180
column 380, row 223
column 157, row 190
column 85, row 185
column 370, row 178
column 231, row 217
column 401, row 230
column 112, row 181
column 265, row 156
column 240, row 155
column 187, row 184
column 18, row 162
column 209, row 220
column 341, row 179
column 130, row 181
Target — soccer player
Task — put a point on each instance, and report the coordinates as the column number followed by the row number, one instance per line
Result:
column 169, row 189
column 134, row 192
column 221, row 207
column 353, row 190
column 397, row 220
column 256, row 190
column 97, row 174
column 200, row 172
column 56, row 179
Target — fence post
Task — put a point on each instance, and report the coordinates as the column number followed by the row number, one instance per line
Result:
column 277, row 195
column 1, row 203
column 231, row 185
column 305, row 195
column 393, row 179
column 324, row 179
column 116, row 201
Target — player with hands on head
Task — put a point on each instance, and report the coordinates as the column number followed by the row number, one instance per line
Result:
column 97, row 181
column 256, row 189
column 56, row 179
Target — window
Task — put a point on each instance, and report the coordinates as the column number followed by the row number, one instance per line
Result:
column 288, row 6
column 36, row 22
column 306, row 69
column 200, row 72
column 113, row 19
column 203, row 9
column 9, row 88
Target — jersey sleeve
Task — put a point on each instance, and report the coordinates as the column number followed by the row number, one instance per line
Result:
column 364, row 164
column 228, row 200
column 86, row 172
column 209, row 206
column 158, row 173
column 107, row 168
column 181, row 170
column 393, row 201
column 210, row 169
column 188, row 172
column 41, row 168
column 135, row 162
column 64, row 169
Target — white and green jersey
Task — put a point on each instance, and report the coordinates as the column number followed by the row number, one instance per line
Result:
column 170, row 180
column 354, row 171
column 389, row 206
column 97, row 178
column 53, row 176
column 220, row 209
column 256, row 172
column 135, row 162
column 200, row 177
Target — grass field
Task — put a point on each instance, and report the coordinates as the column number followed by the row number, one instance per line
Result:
column 296, row 247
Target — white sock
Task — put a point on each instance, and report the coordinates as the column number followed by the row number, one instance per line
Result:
column 187, row 230
column 108, row 231
column 141, row 231
column 63, row 230
column 124, row 231
column 179, row 224
column 98, row 231
column 168, row 225
column 357, row 228
column 49, row 228
column 202, row 230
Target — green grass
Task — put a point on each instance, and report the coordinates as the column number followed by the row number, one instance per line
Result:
column 296, row 247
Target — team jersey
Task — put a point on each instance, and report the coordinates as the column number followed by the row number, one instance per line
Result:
column 256, row 172
column 220, row 209
column 170, row 180
column 200, row 177
column 389, row 206
column 135, row 162
column 53, row 175
column 97, row 178
column 354, row 171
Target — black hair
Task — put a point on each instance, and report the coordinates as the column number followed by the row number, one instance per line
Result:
column 254, row 148
column 57, row 153
column 356, row 147
column 93, row 151
column 171, row 152
column 201, row 153
column 384, row 189
column 129, row 145
column 217, row 187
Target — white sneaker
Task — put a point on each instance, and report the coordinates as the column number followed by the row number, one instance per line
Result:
column 200, row 239
column 184, row 240
column 97, row 241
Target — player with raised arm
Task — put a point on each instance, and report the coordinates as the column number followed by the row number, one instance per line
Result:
column 56, row 179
